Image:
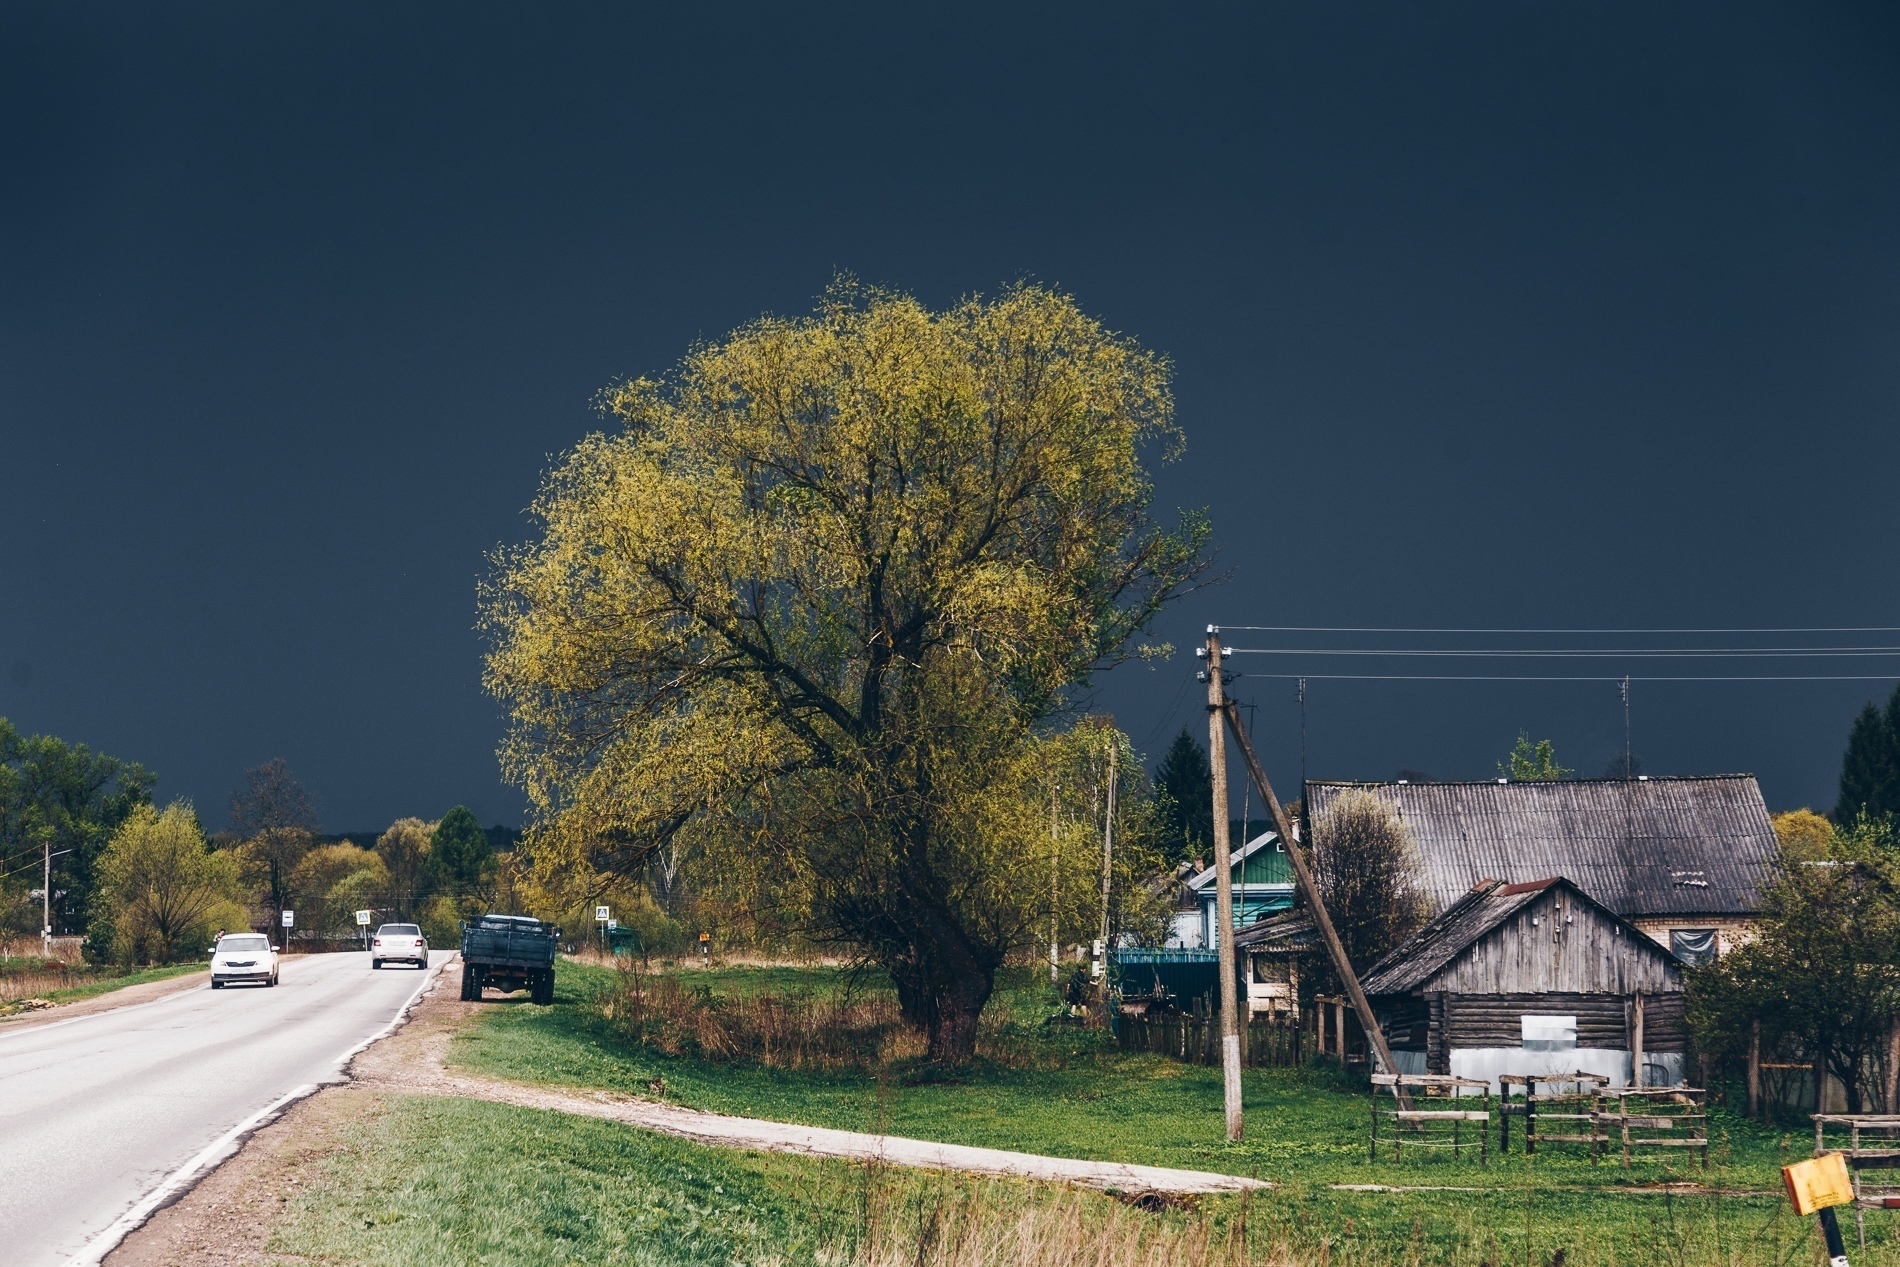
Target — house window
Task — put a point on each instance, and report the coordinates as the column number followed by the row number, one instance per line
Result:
column 1549, row 1033
column 1693, row 945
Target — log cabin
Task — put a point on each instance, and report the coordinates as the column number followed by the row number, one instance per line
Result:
column 1532, row 977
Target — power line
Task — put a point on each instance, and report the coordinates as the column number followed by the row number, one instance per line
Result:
column 1502, row 677
column 1421, row 629
column 1592, row 653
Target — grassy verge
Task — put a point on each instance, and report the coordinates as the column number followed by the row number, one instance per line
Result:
column 489, row 1183
column 87, row 984
column 1069, row 1093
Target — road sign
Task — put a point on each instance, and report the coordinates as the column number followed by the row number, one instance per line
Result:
column 1818, row 1183
column 613, row 924
column 362, row 917
column 290, row 918
column 600, row 915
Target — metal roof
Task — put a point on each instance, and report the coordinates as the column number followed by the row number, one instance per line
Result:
column 1641, row 847
column 1481, row 908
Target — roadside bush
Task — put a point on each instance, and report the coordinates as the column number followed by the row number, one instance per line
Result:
column 842, row 1028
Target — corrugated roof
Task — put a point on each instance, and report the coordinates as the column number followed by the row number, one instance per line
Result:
column 1481, row 908
column 1658, row 846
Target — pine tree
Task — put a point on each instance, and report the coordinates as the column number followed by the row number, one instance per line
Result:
column 1185, row 786
column 1870, row 769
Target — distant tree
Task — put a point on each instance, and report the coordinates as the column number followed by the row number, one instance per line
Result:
column 332, row 882
column 68, row 795
column 404, row 849
column 1367, row 869
column 1533, row 762
column 276, row 822
column 1870, row 768
column 1184, row 791
column 460, row 853
column 1623, row 768
column 160, row 888
column 1803, row 834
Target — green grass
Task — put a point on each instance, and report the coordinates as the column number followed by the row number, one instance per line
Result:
column 1078, row 1096
column 488, row 1183
column 432, row 1181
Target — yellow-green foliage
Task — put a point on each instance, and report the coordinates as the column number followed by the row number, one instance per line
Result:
column 159, row 888
column 803, row 612
column 1803, row 834
column 333, row 882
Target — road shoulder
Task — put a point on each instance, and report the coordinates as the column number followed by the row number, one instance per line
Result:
column 110, row 1000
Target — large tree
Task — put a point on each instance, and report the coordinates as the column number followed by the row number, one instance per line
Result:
column 276, row 820
column 1870, row 768
column 816, row 595
column 1184, row 787
column 71, row 797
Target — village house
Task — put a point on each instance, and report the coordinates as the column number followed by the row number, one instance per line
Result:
column 1532, row 978
column 1263, row 884
column 1682, row 859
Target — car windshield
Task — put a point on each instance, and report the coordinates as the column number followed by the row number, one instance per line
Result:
column 253, row 941
column 399, row 930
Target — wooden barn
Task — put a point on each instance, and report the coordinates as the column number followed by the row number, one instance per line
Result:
column 1534, row 977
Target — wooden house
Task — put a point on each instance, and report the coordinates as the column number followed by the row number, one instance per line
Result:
column 1263, row 884
column 1532, row 977
column 1683, row 859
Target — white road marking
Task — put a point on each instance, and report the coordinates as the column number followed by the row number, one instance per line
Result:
column 181, row 1180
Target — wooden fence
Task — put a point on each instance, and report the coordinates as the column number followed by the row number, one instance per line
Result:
column 1195, row 1038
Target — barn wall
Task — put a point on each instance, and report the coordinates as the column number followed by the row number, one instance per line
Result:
column 1603, row 1020
column 1558, row 944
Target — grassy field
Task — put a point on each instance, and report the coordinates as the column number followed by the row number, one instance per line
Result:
column 1070, row 1093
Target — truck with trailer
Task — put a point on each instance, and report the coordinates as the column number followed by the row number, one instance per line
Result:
column 508, row 952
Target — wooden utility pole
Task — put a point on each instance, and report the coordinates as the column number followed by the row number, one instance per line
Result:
column 1055, row 845
column 1309, row 890
column 1217, row 707
column 1108, row 844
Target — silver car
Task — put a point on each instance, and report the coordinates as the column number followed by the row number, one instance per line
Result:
column 403, row 943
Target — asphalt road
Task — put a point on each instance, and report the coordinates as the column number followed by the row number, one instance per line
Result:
column 98, row 1111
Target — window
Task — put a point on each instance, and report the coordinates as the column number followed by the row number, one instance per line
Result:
column 1693, row 945
column 1549, row 1033
column 247, row 941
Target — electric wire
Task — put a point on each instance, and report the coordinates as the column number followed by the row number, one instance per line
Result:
column 1587, row 653
column 1423, row 629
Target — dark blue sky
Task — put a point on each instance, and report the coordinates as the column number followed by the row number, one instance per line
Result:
column 1483, row 315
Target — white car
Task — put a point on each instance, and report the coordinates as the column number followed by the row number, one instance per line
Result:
column 243, row 957
column 399, row 941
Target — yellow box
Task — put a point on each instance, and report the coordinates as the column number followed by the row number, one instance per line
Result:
column 1818, row 1183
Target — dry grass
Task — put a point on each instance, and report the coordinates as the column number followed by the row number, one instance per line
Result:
column 996, row 1223
column 833, row 1027
column 838, row 1029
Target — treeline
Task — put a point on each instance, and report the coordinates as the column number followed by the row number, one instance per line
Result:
column 147, row 884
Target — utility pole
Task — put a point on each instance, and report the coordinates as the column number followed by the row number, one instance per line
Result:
column 1108, row 842
column 46, row 898
column 1309, row 890
column 1223, row 884
column 1627, row 772
column 1055, row 844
